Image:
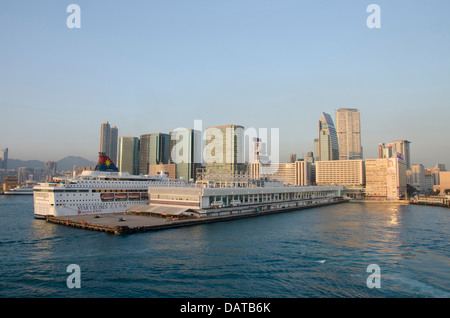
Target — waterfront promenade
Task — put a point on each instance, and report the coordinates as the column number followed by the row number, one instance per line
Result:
column 443, row 201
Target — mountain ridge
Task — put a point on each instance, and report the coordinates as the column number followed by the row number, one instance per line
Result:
column 63, row 164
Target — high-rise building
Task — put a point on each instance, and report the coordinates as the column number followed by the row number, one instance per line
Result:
column 25, row 174
column 310, row 157
column 259, row 152
column 390, row 150
column 225, row 150
column 292, row 158
column 109, row 140
column 105, row 138
column 386, row 178
column 416, row 177
column 316, row 149
column 114, row 140
column 4, row 159
column 154, row 149
column 49, row 170
column 433, row 173
column 144, row 153
column 50, row 167
column 403, row 147
column 128, row 160
column 348, row 129
column 328, row 141
column 185, row 152
column 256, row 150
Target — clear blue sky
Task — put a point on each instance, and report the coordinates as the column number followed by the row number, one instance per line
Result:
column 152, row 66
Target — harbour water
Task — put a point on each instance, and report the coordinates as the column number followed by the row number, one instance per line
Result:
column 316, row 253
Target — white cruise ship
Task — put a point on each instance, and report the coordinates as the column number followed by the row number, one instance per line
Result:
column 103, row 190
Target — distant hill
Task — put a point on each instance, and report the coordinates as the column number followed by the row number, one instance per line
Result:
column 68, row 162
column 65, row 164
column 16, row 163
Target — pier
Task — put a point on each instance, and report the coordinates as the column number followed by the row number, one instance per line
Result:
column 442, row 201
column 136, row 222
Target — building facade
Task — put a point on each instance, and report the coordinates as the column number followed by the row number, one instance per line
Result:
column 185, row 152
column 128, row 160
column 328, row 145
column 416, row 178
column 163, row 169
column 109, row 140
column 386, row 178
column 348, row 129
column 303, row 173
column 113, row 143
column 105, row 137
column 444, row 177
column 390, row 150
column 225, row 150
column 298, row 173
column 4, row 159
column 154, row 149
column 340, row 172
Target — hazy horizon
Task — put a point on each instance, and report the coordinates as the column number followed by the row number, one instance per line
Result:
column 151, row 66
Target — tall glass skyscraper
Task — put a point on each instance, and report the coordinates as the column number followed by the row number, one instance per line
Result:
column 128, row 160
column 348, row 129
column 328, row 140
column 114, row 140
column 225, row 150
column 154, row 149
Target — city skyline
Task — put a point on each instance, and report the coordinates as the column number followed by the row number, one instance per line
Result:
column 255, row 64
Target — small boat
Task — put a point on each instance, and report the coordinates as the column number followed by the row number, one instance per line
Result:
column 107, row 196
column 121, row 196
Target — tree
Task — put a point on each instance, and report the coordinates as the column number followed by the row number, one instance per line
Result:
column 410, row 190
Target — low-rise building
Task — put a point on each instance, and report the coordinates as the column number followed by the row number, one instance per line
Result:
column 340, row 172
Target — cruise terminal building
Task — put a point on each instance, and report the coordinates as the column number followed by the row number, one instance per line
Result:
column 184, row 201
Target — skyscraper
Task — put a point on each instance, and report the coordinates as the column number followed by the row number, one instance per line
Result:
column 4, row 159
column 328, row 141
column 185, row 152
column 154, row 149
column 225, row 150
column 128, row 160
column 292, row 158
column 144, row 153
column 259, row 151
column 398, row 146
column 105, row 137
column 108, row 140
column 402, row 147
column 386, row 178
column 348, row 129
column 114, row 140
column 50, row 167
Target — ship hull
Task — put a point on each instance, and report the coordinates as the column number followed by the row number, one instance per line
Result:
column 41, row 211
